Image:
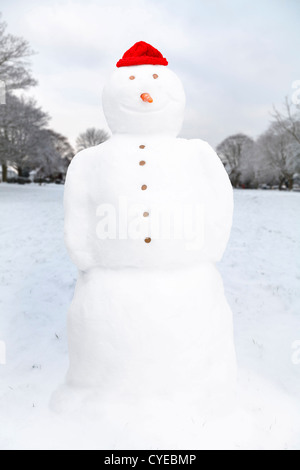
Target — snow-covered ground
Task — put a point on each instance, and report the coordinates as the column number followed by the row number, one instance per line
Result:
column 262, row 277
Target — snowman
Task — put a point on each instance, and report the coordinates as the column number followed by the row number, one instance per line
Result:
column 147, row 217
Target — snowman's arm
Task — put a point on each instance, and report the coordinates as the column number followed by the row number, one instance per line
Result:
column 77, row 214
column 220, row 199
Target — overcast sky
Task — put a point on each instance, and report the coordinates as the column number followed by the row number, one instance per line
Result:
column 235, row 57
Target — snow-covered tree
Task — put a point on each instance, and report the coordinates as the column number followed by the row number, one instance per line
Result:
column 90, row 138
column 236, row 153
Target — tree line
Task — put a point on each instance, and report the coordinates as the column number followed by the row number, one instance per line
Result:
column 273, row 159
column 26, row 141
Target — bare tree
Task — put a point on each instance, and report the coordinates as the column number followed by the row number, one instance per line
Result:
column 63, row 148
column 288, row 121
column 14, row 65
column 26, row 141
column 20, row 124
column 14, row 73
column 53, row 154
column 90, row 138
column 279, row 154
column 236, row 152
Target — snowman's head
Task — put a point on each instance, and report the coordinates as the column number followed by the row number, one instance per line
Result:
column 145, row 97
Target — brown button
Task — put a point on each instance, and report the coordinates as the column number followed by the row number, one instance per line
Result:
column 155, row 76
column 146, row 214
column 142, row 146
column 144, row 187
column 132, row 77
column 142, row 163
column 148, row 240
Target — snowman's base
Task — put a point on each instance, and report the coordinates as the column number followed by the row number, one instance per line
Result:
column 263, row 418
column 141, row 335
column 152, row 423
column 71, row 400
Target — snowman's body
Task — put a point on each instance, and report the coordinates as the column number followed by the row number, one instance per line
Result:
column 149, row 319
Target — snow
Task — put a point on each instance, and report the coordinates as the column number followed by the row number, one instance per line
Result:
column 261, row 274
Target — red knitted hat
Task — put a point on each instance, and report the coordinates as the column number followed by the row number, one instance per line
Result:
column 142, row 53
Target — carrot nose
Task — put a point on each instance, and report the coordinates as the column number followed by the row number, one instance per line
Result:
column 146, row 97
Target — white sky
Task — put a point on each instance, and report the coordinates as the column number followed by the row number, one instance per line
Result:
column 235, row 57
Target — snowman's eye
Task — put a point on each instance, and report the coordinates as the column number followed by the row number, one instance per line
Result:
column 132, row 77
column 155, row 76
